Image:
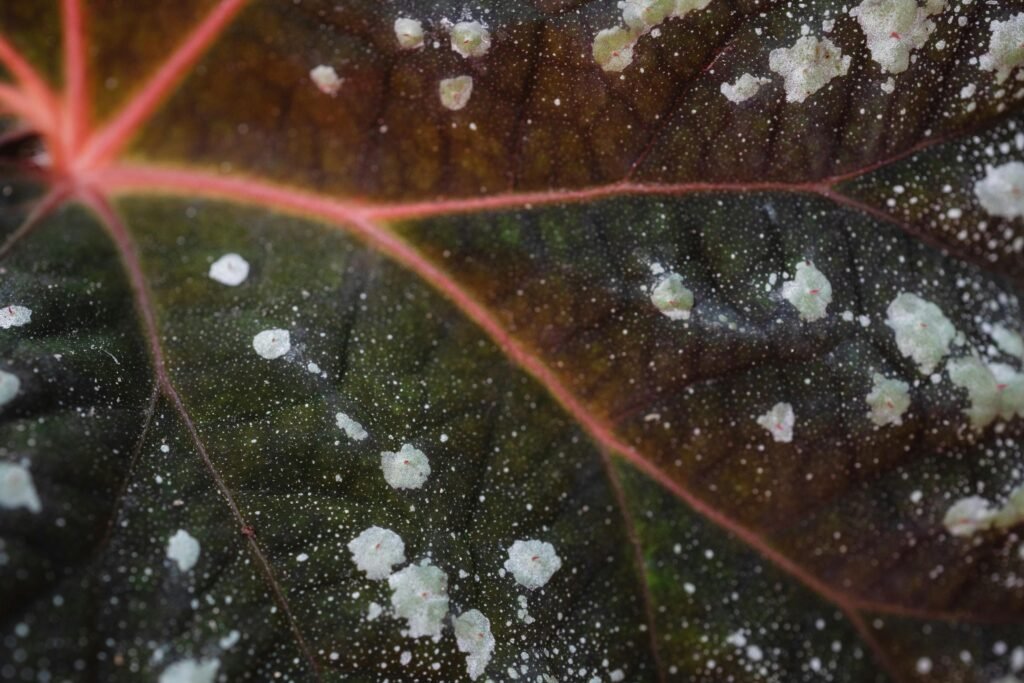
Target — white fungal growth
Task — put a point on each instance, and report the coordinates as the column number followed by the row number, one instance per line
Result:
column 994, row 390
column 1005, row 47
column 191, row 671
column 745, row 87
column 968, row 516
column 14, row 316
column 1001, row 191
column 17, row 489
column 10, row 385
column 532, row 563
column 407, row 469
column 671, row 298
column 473, row 636
column 419, row 594
column 183, row 550
column 641, row 15
column 326, row 79
column 923, row 332
column 470, row 39
column 376, row 551
column 894, row 28
column 1012, row 512
column 1009, row 341
column 455, row 92
column 1010, row 385
column 352, row 429
column 684, row 7
column 888, row 399
column 613, row 48
column 409, row 33
column 779, row 422
column 809, row 291
column 271, row 344
column 230, row 270
column 808, row 66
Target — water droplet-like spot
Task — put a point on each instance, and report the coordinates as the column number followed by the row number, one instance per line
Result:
column 326, row 79
column 532, row 563
column 183, row 550
column 409, row 33
column 808, row 66
column 271, row 344
column 230, row 270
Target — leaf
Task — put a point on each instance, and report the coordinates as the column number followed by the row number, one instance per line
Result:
column 477, row 284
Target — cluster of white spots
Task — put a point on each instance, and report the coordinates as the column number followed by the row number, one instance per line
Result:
column 1005, row 47
column 271, row 344
column 470, row 39
column 407, row 469
column 1001, row 191
column 808, row 66
column 183, row 550
column 745, row 87
column 352, row 429
column 613, row 47
column 230, row 640
column 9, row 387
column 1009, row 341
column 923, row 332
column 779, row 422
column 326, row 79
column 374, row 611
column 523, row 613
column 809, row 291
column 473, row 636
column 14, row 316
column 409, row 33
column 970, row 515
column 376, row 551
column 420, row 596
column 672, row 298
column 532, row 563
column 191, row 671
column 894, row 28
column 230, row 270
column 888, row 399
column 994, row 390
column 455, row 92
column 17, row 489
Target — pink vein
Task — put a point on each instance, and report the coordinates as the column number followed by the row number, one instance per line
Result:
column 76, row 95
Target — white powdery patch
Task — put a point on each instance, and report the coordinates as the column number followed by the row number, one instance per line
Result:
column 809, row 291
column 326, row 79
column 470, row 39
column 183, row 550
column 409, row 33
column 14, row 316
column 895, row 28
column 1005, row 47
column 230, row 270
column 191, row 671
column 779, row 422
column 808, row 66
column 745, row 87
column 420, row 596
column 995, row 390
column 455, row 92
column 10, row 385
column 407, row 469
column 352, row 429
column 672, row 298
column 642, row 15
column 1012, row 513
column 532, row 563
column 473, row 636
column 968, row 516
column 17, row 489
column 1008, row 341
column 923, row 332
column 271, row 344
column 1001, row 191
column 376, row 551
column 888, row 399
column 613, row 47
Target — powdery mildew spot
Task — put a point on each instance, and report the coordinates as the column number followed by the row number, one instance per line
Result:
column 183, row 550
column 473, row 636
column 995, row 390
column 1009, row 341
column 888, row 399
column 455, row 92
column 779, row 422
column 641, row 15
column 808, row 66
column 376, row 551
column 968, row 516
column 671, row 298
column 409, row 33
column 532, row 563
column 809, row 291
column 230, row 270
column 10, row 385
column 352, row 429
column 407, row 469
column 191, row 671
column 923, row 332
column 14, row 316
column 420, row 596
column 613, row 48
column 271, row 344
column 1001, row 191
column 1012, row 513
column 1005, row 47
column 745, row 87
column 326, row 79
column 470, row 39
column 17, row 490
column 894, row 28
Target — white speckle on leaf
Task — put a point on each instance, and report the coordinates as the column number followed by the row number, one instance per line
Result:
column 191, row 671
column 420, row 596
column 14, row 316
column 230, row 640
column 532, row 563
column 10, row 385
column 230, row 270
column 889, row 399
column 1001, row 191
column 473, row 636
column 271, row 344
column 326, row 79
column 373, row 611
column 671, row 298
column 894, row 28
column 888, row 86
column 470, row 39
column 809, row 291
column 1009, row 341
column 407, row 469
column 968, row 516
column 183, row 550
column 17, row 489
column 642, row 15
column 923, row 332
column 1005, row 47
column 779, row 422
column 613, row 48
column 455, row 92
column 808, row 66
column 376, row 551
column 745, row 87
column 409, row 33
column 1012, row 514
column 352, row 429
column 684, row 7
column 994, row 390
